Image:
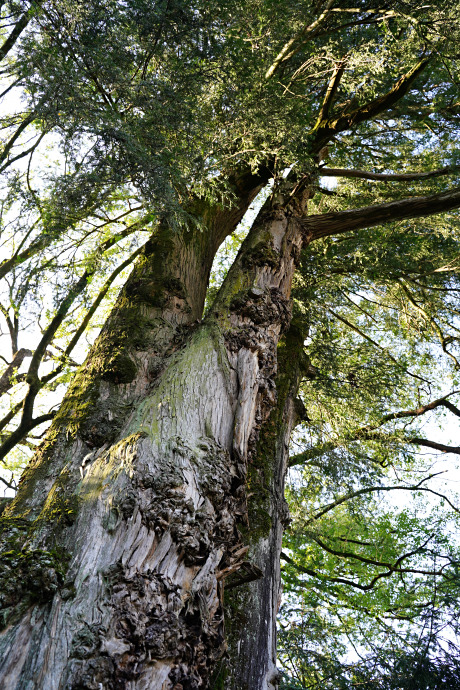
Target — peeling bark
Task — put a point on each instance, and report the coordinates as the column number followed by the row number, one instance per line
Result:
column 251, row 609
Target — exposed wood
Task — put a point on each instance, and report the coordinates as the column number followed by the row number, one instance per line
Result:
column 149, row 481
column 251, row 610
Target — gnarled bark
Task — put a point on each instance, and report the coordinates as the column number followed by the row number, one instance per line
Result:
column 132, row 517
column 251, row 608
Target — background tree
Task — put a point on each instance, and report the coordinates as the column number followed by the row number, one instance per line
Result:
column 160, row 482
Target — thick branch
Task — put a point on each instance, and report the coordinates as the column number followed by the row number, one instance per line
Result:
column 328, row 224
column 331, row 90
column 363, row 559
column 387, row 177
column 312, row 453
column 433, row 444
column 17, row 31
column 416, row 412
column 328, row 128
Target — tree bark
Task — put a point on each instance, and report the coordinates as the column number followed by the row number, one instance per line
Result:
column 251, row 607
column 327, row 224
column 133, row 515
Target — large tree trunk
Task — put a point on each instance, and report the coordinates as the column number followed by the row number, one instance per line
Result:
column 134, row 514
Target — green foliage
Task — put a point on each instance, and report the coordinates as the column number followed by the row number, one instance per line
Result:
column 370, row 566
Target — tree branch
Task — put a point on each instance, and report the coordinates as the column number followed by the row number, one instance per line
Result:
column 6, row 380
column 363, row 559
column 331, row 90
column 288, row 51
column 90, row 313
column 25, row 153
column 376, row 489
column 46, row 238
column 416, row 412
column 368, row 432
column 8, row 484
column 17, row 31
column 387, row 177
column 327, row 224
column 357, row 585
column 326, row 129
column 373, row 342
column 433, row 444
column 9, row 145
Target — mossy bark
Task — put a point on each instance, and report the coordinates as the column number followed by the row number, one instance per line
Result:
column 137, row 504
column 251, row 608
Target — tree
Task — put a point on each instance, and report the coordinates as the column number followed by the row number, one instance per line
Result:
column 159, row 485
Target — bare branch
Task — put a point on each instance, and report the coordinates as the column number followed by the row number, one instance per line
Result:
column 387, row 177
column 7, row 378
column 327, row 224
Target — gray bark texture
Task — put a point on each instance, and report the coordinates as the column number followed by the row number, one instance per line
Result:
column 252, row 607
column 136, row 519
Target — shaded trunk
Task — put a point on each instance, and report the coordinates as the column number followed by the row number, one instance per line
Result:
column 134, row 513
column 251, row 608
